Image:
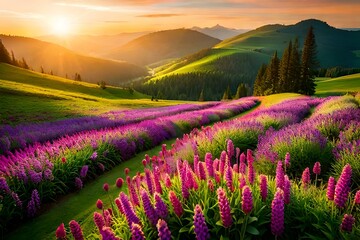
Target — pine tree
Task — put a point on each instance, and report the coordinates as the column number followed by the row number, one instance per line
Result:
column 309, row 63
column 201, row 97
column 227, row 94
column 42, row 69
column 13, row 59
column 294, row 68
column 259, row 81
column 284, row 77
column 272, row 76
column 23, row 64
column 4, row 54
column 238, row 92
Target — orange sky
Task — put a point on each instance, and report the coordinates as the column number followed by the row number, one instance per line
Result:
column 39, row 17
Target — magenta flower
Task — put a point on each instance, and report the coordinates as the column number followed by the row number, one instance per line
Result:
column 317, row 168
column 83, row 171
column 251, row 172
column 287, row 159
column 106, row 187
column 107, row 233
column 249, row 156
column 305, row 178
column 101, row 166
column 229, row 178
column 119, row 182
column 237, row 154
column 163, row 230
column 17, row 200
column 209, row 164
column 196, row 164
column 133, row 195
column 176, row 204
column 201, row 169
column 78, row 183
column 149, row 181
column 160, row 207
column 168, row 181
column 99, row 204
column 76, row 230
column 99, row 220
column 126, row 171
column 287, row 189
column 246, row 200
column 184, row 184
column 156, row 174
column 222, row 162
column 342, row 188
column 210, row 185
column 224, row 207
column 61, row 232
column 242, row 180
column 347, row 223
column 216, row 164
column 277, row 213
column 148, row 207
column 230, row 148
column 136, row 232
column 118, row 204
column 108, row 217
column 200, row 227
column 128, row 209
column 330, row 193
column 263, row 187
column 357, row 197
column 279, row 175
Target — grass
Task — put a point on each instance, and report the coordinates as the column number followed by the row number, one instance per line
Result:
column 80, row 205
column 270, row 100
column 27, row 96
column 338, row 86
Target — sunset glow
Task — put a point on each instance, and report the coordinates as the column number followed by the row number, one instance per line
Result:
column 97, row 17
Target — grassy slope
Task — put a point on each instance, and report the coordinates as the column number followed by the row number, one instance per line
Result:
column 30, row 96
column 81, row 205
column 340, row 85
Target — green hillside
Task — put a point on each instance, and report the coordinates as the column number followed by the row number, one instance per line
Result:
column 240, row 57
column 63, row 62
column 162, row 45
column 30, row 96
column 340, row 85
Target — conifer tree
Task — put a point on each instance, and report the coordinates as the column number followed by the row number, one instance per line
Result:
column 284, row 76
column 272, row 76
column 241, row 91
column 227, row 94
column 23, row 64
column 4, row 54
column 13, row 59
column 294, row 68
column 201, row 97
column 259, row 81
column 309, row 63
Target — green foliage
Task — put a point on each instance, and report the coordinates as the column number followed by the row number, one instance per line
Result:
column 227, row 94
column 4, row 54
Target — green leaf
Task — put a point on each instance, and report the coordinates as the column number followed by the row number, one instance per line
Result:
column 219, row 223
column 184, row 229
column 252, row 230
column 240, row 221
column 252, row 219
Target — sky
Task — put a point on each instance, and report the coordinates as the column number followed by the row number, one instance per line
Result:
column 108, row 17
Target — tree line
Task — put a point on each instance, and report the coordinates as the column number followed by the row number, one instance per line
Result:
column 5, row 57
column 294, row 72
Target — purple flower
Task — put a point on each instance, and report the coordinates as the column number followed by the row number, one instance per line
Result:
column 342, row 188
column 176, row 204
column 60, row 232
column 200, row 227
column 347, row 223
column 287, row 189
column 357, row 197
column 263, row 187
column 133, row 195
column 35, row 176
column 242, row 181
column 163, row 230
column 209, row 164
column 184, row 184
column 48, row 175
column 167, row 181
column 128, row 209
column 118, row 204
column 101, row 166
column 76, row 230
column 99, row 204
column 230, row 148
column 305, row 178
column 119, row 182
column 36, row 198
column 237, row 154
column 156, row 175
column 317, row 168
column 106, row 187
column 31, row 208
column 287, row 159
column 224, row 207
column 148, row 207
column 223, row 157
column 108, row 217
column 17, row 200
column 277, row 213
column 83, row 171
column 136, row 232
column 229, row 178
column 196, row 164
column 242, row 166
column 78, row 183
column 330, row 193
column 251, row 172
column 107, row 234
column 279, row 175
column 160, row 207
column 246, row 200
column 201, row 169
column 99, row 220
column 149, row 181
column 94, row 156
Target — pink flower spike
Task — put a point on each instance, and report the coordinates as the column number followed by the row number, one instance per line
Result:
column 106, row 187
column 357, row 197
column 99, row 204
column 224, row 206
column 305, row 178
column 263, row 187
column 317, row 168
column 119, row 182
column 127, row 170
column 76, row 230
column 61, row 232
column 277, row 213
column 343, row 187
column 347, row 223
column 330, row 193
column 247, row 200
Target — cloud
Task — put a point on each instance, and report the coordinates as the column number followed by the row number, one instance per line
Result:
column 24, row 15
column 85, row 6
column 160, row 15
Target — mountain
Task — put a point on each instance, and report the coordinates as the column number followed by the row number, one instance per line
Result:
column 163, row 45
column 220, row 32
column 238, row 59
column 64, row 62
column 97, row 46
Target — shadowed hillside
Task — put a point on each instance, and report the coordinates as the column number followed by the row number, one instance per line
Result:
column 163, row 45
column 63, row 62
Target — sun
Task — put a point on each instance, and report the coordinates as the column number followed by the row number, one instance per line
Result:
column 61, row 26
